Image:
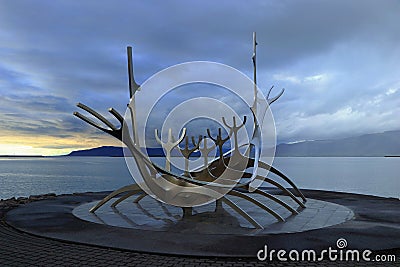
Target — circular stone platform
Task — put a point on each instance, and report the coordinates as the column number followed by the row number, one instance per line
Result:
column 366, row 222
column 152, row 215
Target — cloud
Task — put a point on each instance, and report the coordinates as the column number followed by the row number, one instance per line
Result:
column 328, row 55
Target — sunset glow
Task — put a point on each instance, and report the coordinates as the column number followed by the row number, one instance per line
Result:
column 48, row 146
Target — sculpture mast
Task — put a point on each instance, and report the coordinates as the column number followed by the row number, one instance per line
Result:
column 133, row 87
column 254, row 73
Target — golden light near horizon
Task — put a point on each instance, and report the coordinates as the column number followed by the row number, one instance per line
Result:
column 15, row 149
column 48, row 146
column 25, row 150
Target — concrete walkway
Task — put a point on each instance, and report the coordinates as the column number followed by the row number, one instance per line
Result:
column 21, row 249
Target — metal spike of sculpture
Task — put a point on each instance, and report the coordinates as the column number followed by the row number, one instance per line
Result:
column 205, row 150
column 169, row 145
column 219, row 169
column 186, row 152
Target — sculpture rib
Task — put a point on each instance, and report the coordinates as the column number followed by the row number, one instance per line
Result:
column 122, row 198
column 275, row 199
column 241, row 212
column 139, row 198
column 283, row 176
column 290, row 194
column 131, row 187
column 256, row 202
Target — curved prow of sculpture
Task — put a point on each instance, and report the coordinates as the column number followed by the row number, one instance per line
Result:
column 110, row 129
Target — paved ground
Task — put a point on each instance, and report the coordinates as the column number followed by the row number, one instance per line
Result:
column 21, row 249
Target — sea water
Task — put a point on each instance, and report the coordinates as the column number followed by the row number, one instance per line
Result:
column 33, row 176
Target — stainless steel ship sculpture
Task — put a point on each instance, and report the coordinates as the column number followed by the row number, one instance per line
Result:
column 230, row 173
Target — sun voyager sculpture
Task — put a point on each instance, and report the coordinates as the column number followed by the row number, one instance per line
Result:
column 216, row 133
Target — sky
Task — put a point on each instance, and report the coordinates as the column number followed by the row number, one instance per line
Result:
column 337, row 60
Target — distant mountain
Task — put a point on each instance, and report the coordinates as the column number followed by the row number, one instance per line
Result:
column 104, row 151
column 111, row 151
column 368, row 145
